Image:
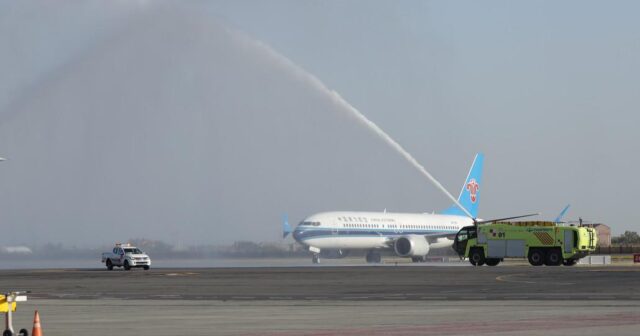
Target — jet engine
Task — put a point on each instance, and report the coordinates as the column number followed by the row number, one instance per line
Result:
column 411, row 246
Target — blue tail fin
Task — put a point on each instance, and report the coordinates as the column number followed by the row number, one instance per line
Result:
column 286, row 228
column 559, row 218
column 470, row 194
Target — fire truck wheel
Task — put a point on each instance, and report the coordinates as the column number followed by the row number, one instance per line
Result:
column 477, row 257
column 536, row 257
column 492, row 261
column 554, row 258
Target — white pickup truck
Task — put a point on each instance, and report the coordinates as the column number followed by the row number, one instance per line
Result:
column 126, row 256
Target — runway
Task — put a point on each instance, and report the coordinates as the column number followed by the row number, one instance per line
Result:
column 334, row 283
column 378, row 300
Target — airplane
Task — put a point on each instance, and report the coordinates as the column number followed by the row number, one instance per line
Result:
column 410, row 235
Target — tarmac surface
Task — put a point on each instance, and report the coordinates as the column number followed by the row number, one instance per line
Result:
column 333, row 283
column 378, row 300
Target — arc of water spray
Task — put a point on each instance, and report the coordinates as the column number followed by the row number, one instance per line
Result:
column 395, row 145
column 336, row 98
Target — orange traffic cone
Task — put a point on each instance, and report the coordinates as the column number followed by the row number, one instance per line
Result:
column 37, row 329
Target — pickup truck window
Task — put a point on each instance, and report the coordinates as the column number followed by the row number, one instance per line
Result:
column 132, row 251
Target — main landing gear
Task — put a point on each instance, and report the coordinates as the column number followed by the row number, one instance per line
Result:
column 373, row 257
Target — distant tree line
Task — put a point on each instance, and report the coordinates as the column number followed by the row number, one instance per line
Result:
column 627, row 238
column 163, row 250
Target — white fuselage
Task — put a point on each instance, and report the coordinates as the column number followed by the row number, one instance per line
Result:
column 375, row 230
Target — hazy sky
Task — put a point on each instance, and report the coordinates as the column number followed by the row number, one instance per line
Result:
column 182, row 122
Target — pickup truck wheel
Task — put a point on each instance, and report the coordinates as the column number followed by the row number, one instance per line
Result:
column 146, row 268
column 109, row 265
column 126, row 265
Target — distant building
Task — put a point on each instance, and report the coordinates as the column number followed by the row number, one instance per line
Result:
column 604, row 234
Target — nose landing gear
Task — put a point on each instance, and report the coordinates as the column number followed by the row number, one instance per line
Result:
column 315, row 258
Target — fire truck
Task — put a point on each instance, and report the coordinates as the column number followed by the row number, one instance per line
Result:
column 542, row 243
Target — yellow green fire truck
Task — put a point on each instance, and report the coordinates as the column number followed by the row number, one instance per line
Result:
column 543, row 243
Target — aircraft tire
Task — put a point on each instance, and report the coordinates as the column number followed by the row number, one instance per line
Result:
column 7, row 333
column 377, row 258
column 315, row 259
column 373, row 257
column 23, row 332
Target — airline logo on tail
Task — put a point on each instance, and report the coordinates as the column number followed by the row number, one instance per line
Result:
column 470, row 192
column 473, row 188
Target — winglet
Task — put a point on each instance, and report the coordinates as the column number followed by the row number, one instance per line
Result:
column 559, row 218
column 286, row 228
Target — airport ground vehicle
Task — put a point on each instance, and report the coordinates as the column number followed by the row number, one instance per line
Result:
column 8, row 307
column 542, row 243
column 127, row 256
